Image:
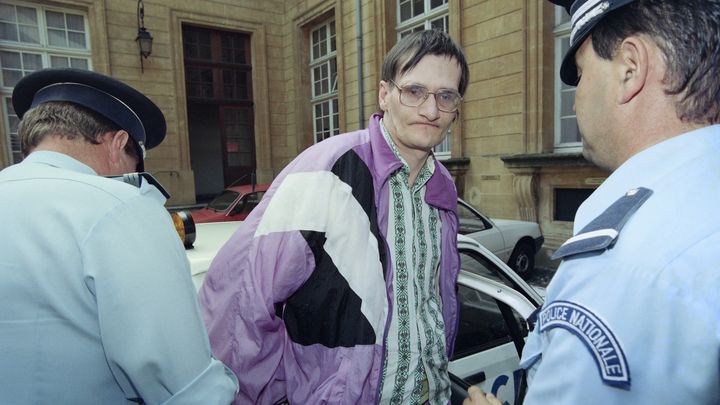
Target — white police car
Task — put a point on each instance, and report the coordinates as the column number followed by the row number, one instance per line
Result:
column 495, row 303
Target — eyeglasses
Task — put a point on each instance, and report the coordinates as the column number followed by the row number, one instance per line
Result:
column 414, row 95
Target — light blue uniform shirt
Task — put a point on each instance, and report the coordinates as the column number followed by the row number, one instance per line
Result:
column 639, row 323
column 97, row 301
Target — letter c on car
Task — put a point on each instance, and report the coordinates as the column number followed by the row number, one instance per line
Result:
column 499, row 382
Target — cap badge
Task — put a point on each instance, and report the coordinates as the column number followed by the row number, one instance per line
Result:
column 595, row 10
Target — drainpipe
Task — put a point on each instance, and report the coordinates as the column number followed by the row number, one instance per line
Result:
column 359, row 41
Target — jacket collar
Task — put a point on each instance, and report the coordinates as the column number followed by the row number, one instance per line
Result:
column 440, row 191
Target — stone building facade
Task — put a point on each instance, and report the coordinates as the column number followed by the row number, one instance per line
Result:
column 246, row 85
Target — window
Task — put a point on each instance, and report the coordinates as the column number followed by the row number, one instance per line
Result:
column 482, row 323
column 33, row 37
column 567, row 135
column 418, row 15
column 469, row 221
column 567, row 202
column 219, row 88
column 323, row 78
column 223, row 201
column 248, row 203
column 217, row 65
column 480, row 265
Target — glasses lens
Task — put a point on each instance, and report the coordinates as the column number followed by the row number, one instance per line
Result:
column 413, row 96
column 447, row 100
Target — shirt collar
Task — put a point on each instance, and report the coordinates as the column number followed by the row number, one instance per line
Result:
column 647, row 168
column 60, row 160
column 428, row 167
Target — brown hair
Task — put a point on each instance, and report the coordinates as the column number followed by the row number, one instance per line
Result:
column 408, row 52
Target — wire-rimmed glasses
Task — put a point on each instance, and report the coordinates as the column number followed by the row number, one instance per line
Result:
column 413, row 95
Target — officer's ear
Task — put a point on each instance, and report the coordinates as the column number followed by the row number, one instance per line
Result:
column 632, row 66
column 115, row 143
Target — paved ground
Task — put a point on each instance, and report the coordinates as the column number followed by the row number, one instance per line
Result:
column 541, row 276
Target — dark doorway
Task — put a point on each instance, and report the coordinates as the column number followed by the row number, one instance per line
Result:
column 218, row 83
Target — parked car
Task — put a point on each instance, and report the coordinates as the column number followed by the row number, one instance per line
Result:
column 515, row 242
column 494, row 305
column 232, row 204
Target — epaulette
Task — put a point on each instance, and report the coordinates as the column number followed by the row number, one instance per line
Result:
column 602, row 232
column 136, row 179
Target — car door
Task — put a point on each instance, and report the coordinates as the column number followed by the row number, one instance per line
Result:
column 494, row 305
column 480, row 228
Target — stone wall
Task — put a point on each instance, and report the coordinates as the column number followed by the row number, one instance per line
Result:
column 507, row 110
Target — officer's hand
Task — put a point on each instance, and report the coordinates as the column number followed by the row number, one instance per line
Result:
column 478, row 397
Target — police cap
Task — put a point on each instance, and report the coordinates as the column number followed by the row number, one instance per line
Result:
column 126, row 107
column 585, row 14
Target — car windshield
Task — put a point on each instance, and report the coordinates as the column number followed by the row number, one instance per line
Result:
column 223, row 201
column 249, row 202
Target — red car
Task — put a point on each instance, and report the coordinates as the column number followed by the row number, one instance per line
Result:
column 233, row 204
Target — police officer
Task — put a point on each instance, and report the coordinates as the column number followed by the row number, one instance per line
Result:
column 632, row 313
column 98, row 304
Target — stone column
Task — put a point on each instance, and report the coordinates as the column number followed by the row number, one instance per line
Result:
column 525, row 186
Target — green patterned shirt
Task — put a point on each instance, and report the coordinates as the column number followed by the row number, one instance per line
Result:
column 415, row 364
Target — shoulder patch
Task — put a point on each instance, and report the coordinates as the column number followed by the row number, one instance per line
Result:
column 602, row 232
column 594, row 334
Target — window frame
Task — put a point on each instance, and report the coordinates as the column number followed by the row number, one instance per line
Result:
column 561, row 32
column 423, row 20
column 46, row 53
column 327, row 102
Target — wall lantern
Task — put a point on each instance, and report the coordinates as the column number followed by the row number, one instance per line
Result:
column 144, row 39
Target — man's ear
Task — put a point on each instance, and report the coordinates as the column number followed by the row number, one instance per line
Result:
column 633, row 67
column 116, row 142
column 383, row 93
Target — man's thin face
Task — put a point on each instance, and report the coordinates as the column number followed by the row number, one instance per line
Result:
column 416, row 130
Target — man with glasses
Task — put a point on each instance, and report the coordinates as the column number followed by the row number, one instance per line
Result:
column 340, row 286
column 98, row 304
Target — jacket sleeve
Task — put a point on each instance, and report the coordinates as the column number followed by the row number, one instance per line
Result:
column 152, row 332
column 247, row 278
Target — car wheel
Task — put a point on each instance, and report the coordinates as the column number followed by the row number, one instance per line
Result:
column 522, row 259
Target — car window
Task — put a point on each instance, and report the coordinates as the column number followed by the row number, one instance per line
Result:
column 480, row 265
column 469, row 221
column 223, row 200
column 248, row 203
column 482, row 325
column 477, row 263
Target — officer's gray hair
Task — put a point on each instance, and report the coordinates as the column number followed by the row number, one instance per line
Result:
column 686, row 31
column 67, row 120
